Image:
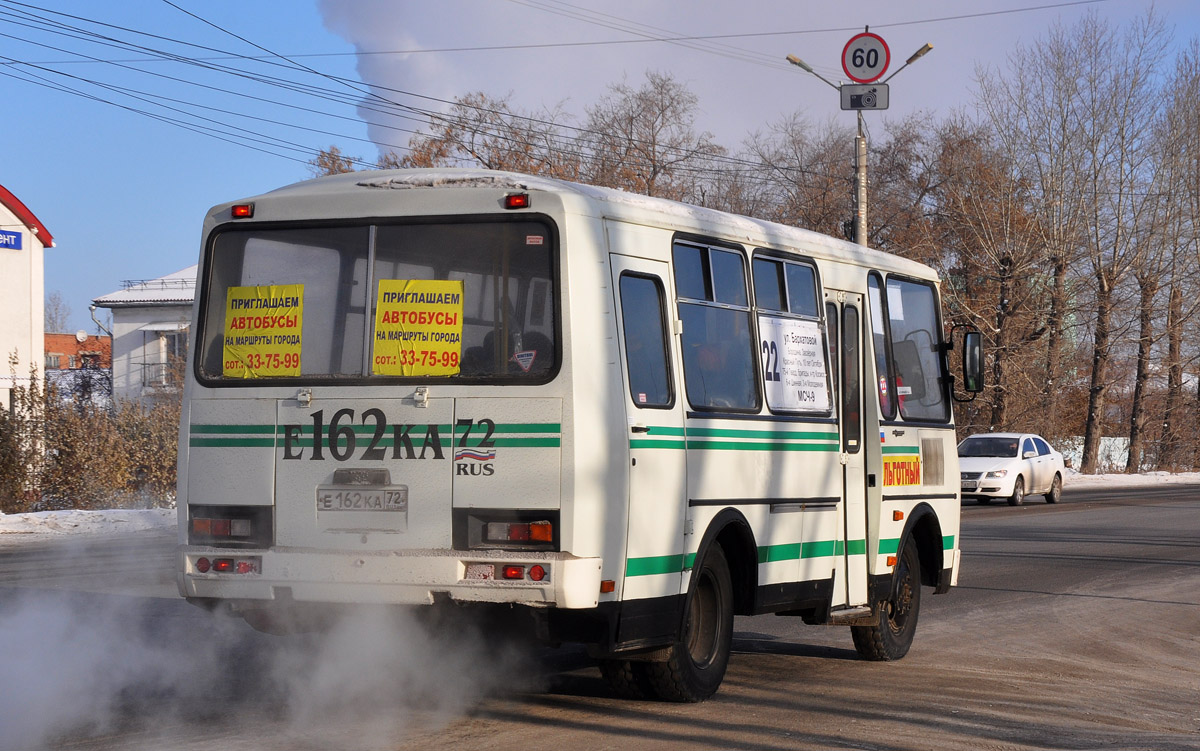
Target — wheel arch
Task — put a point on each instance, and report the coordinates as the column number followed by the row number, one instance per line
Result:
column 732, row 532
column 925, row 529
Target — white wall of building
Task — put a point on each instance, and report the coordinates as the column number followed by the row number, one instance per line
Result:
column 22, row 305
column 144, row 339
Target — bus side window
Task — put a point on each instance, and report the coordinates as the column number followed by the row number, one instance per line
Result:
column 831, row 340
column 913, row 328
column 887, row 405
column 718, row 351
column 851, row 394
column 644, row 327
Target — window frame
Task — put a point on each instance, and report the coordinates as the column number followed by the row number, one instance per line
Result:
column 371, row 224
column 665, row 320
column 943, row 377
column 785, row 258
column 708, row 245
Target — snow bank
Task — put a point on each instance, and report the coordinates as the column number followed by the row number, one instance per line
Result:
column 48, row 525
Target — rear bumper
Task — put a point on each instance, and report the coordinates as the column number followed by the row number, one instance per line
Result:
column 389, row 577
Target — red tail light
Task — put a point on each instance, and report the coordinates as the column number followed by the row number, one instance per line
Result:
column 516, row 201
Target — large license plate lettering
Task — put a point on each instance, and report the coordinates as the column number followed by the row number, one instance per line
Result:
column 362, row 499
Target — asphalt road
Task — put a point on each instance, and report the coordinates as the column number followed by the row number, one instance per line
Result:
column 1073, row 626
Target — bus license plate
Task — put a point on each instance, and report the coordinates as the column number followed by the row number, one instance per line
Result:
column 394, row 498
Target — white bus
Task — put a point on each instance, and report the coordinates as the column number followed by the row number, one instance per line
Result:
column 630, row 417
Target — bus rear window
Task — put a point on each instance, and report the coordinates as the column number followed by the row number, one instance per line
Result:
column 458, row 300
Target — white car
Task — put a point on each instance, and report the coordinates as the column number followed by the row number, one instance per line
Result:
column 1009, row 465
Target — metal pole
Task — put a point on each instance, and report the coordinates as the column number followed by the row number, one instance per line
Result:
column 860, row 178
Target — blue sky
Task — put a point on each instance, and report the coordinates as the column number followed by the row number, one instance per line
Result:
column 123, row 170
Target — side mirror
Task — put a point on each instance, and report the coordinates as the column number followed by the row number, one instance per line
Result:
column 1029, row 455
column 972, row 362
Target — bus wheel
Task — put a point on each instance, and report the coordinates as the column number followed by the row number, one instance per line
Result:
column 893, row 635
column 627, row 679
column 696, row 664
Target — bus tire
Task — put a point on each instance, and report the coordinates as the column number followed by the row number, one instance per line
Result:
column 891, row 637
column 627, row 679
column 696, row 664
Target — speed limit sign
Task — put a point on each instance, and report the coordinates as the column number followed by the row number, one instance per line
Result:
column 865, row 57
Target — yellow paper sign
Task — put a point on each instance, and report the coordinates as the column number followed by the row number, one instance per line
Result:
column 418, row 327
column 262, row 331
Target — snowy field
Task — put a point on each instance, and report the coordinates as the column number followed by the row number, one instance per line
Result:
column 48, row 525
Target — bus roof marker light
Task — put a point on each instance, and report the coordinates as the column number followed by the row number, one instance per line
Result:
column 516, row 201
column 242, row 210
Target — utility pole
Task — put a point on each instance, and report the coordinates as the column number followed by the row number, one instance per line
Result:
column 864, row 59
column 860, row 180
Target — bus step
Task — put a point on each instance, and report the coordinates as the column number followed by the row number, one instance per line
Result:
column 860, row 616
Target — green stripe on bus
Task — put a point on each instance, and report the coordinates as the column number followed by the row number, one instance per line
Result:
column 554, row 442
column 892, row 544
column 254, row 429
column 906, row 450
column 814, row 549
column 516, row 427
column 747, row 446
column 791, row 551
column 763, row 434
column 232, row 443
column 659, row 564
column 663, row 430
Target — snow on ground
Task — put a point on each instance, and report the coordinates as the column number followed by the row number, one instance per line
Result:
column 50, row 525
column 47, row 525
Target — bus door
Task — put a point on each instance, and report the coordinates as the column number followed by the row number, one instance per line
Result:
column 654, row 428
column 845, row 331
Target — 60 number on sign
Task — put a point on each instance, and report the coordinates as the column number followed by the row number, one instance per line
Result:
column 866, row 57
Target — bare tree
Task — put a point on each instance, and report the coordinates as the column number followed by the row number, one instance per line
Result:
column 482, row 131
column 58, row 314
column 992, row 254
column 1116, row 118
column 805, row 172
column 1029, row 110
column 331, row 161
column 645, row 140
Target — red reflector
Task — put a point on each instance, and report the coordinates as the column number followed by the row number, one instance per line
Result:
column 608, row 585
column 518, row 532
column 516, row 201
column 223, row 565
column 202, row 565
column 220, row 527
column 242, row 210
column 513, row 572
column 537, row 573
column 245, row 567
